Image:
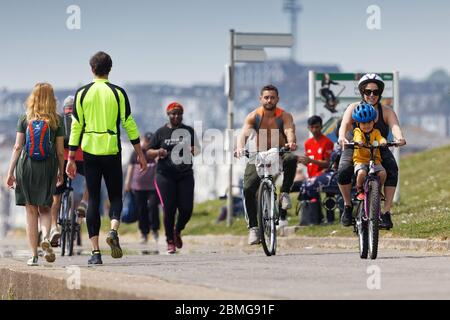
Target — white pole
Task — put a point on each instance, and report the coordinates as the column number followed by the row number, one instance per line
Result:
column 312, row 92
column 230, row 131
column 396, row 91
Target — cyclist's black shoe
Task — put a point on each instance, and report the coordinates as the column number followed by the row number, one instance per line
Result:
column 347, row 216
column 386, row 221
column 96, row 258
column 113, row 241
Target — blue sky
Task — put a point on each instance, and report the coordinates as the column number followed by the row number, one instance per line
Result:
column 186, row 41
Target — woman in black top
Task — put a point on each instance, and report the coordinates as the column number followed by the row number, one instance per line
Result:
column 174, row 144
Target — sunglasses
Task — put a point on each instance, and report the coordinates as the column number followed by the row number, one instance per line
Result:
column 368, row 92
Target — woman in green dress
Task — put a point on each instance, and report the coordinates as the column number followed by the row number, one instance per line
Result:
column 35, row 180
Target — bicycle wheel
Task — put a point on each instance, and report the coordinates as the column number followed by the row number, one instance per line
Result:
column 63, row 223
column 363, row 232
column 374, row 209
column 71, row 223
column 66, row 207
column 71, row 234
column 266, row 221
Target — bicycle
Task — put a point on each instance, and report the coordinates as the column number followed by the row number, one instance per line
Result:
column 268, row 211
column 67, row 220
column 368, row 211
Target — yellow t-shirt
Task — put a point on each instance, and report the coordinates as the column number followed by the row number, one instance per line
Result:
column 362, row 155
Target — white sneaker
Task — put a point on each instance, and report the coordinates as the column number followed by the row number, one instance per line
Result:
column 33, row 262
column 49, row 254
column 285, row 201
column 54, row 236
column 253, row 236
column 283, row 223
column 82, row 209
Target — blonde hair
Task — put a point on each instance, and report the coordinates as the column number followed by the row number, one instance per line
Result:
column 41, row 105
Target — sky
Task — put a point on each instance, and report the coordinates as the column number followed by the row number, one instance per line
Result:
column 185, row 42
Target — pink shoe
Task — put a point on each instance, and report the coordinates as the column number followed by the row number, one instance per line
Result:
column 171, row 247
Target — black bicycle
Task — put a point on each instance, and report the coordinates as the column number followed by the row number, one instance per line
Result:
column 68, row 220
column 368, row 211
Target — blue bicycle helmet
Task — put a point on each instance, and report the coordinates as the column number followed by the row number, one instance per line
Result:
column 364, row 112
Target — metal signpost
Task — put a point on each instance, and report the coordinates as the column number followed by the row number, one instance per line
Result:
column 246, row 47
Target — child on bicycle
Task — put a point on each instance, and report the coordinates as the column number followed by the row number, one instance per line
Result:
column 365, row 134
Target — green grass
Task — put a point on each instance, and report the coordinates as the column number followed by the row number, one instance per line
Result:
column 423, row 211
column 424, row 208
column 204, row 220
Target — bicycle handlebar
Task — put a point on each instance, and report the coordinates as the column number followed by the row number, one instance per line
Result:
column 369, row 146
column 281, row 151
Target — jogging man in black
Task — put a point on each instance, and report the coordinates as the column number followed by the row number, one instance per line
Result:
column 175, row 144
column 99, row 109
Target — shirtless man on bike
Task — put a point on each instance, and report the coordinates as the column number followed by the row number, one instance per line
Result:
column 274, row 128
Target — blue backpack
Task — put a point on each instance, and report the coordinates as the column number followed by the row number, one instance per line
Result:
column 37, row 140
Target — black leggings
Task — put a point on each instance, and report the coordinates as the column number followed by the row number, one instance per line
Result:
column 147, row 209
column 110, row 168
column 345, row 170
column 175, row 193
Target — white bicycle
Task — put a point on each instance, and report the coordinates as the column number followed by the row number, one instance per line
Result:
column 268, row 167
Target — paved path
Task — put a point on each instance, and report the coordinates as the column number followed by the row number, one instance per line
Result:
column 207, row 270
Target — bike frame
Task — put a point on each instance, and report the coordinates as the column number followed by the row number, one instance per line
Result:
column 367, row 217
column 267, row 178
column 63, row 216
column 371, row 176
column 67, row 220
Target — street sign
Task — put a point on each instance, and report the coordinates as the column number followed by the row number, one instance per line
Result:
column 261, row 40
column 345, row 85
column 249, row 55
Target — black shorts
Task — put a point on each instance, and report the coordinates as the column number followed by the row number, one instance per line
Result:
column 80, row 170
